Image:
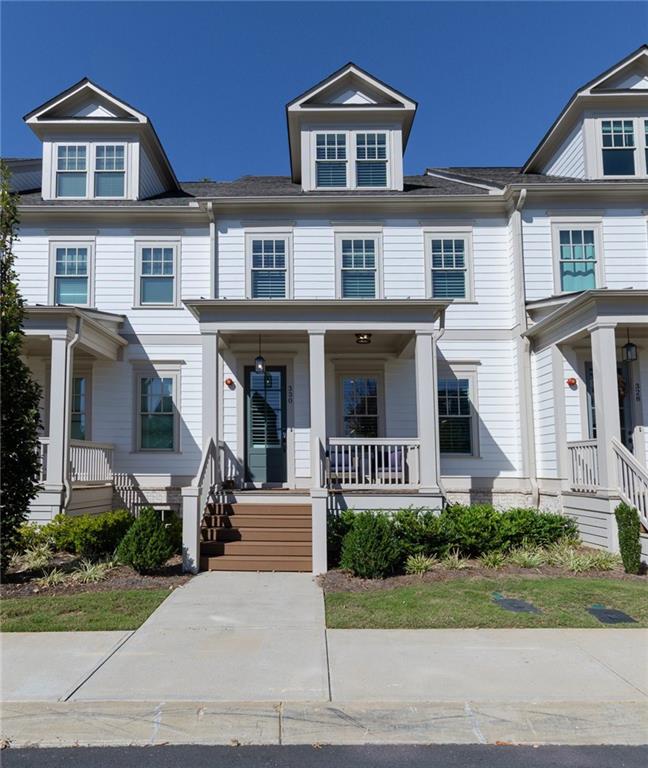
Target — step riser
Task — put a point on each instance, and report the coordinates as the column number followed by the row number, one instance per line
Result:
column 255, row 564
column 254, row 549
column 255, row 534
column 253, row 521
column 260, row 509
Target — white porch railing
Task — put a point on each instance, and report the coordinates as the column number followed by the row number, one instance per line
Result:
column 369, row 463
column 584, row 466
column 43, row 447
column 632, row 479
column 90, row 462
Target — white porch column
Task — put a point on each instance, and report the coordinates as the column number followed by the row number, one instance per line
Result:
column 59, row 413
column 319, row 493
column 210, row 388
column 606, row 399
column 427, row 411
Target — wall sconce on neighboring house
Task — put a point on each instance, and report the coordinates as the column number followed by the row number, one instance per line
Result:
column 629, row 350
column 363, row 338
column 259, row 362
column 571, row 382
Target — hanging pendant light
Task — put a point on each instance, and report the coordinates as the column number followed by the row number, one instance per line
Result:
column 629, row 350
column 259, row 362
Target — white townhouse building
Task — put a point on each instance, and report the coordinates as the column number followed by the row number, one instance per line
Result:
column 256, row 354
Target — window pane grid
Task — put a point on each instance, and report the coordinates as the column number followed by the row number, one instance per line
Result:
column 618, row 134
column 109, row 157
column 448, row 268
column 455, row 416
column 157, row 275
column 330, row 146
column 577, row 259
column 371, row 159
column 71, row 158
column 78, row 408
column 71, row 261
column 71, row 276
column 371, row 146
column 618, row 147
column 156, row 413
column 358, row 268
column 360, row 403
column 268, row 268
column 331, row 156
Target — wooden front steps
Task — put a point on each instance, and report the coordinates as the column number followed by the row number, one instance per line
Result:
column 256, row 537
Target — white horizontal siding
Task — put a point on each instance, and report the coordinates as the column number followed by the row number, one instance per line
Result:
column 569, row 160
column 625, row 249
column 403, row 261
column 150, row 183
column 313, row 261
column 32, row 265
column 544, row 414
column 538, row 265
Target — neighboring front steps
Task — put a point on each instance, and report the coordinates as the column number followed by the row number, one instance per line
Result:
column 256, row 537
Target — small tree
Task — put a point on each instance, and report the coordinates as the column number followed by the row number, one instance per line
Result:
column 19, row 393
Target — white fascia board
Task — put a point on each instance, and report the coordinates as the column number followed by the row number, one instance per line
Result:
column 36, row 117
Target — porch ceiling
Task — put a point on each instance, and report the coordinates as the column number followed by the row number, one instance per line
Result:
column 337, row 342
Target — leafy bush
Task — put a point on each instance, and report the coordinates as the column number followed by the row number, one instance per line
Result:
column 89, row 535
column 148, row 544
column 173, row 524
column 31, row 535
column 419, row 564
column 370, row 549
column 337, row 528
column 418, row 532
column 471, row 530
column 629, row 527
column 530, row 526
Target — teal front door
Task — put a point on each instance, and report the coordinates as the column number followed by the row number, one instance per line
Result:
column 265, row 425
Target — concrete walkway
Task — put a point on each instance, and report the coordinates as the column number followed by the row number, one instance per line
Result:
column 246, row 658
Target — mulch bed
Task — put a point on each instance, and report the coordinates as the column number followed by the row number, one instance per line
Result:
column 344, row 581
column 23, row 583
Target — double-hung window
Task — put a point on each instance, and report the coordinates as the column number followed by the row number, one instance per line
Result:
column 360, row 406
column 448, row 264
column 71, row 170
column 331, row 159
column 358, row 267
column 109, row 171
column 371, row 159
column 456, row 425
column 156, row 413
column 577, row 259
column 71, row 274
column 268, row 267
column 157, row 267
column 618, row 147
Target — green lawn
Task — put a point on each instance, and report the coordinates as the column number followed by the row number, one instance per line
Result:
column 469, row 603
column 85, row 611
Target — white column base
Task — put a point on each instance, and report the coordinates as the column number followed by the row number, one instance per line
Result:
column 191, row 517
column 319, row 503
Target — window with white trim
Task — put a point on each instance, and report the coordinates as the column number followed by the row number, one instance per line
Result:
column 358, row 267
column 157, row 267
column 577, row 259
column 109, row 170
column 331, row 159
column 71, row 274
column 456, row 416
column 618, row 147
column 360, row 411
column 268, row 267
column 371, row 159
column 78, row 405
column 156, row 413
column 448, row 259
column 71, row 170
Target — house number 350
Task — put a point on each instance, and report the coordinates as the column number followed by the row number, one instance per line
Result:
column 290, row 394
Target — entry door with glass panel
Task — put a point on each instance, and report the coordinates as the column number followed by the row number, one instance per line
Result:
column 625, row 405
column 265, row 425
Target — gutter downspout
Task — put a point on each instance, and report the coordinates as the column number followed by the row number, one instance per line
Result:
column 212, row 250
column 439, row 334
column 524, row 353
column 67, row 487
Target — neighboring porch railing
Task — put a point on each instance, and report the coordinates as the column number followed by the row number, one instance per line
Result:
column 584, row 466
column 367, row 463
column 90, row 462
column 632, row 478
column 43, row 447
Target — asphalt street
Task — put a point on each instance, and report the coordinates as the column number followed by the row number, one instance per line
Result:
column 439, row 756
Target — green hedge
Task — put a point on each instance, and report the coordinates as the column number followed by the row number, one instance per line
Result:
column 629, row 527
column 148, row 543
column 472, row 531
column 89, row 535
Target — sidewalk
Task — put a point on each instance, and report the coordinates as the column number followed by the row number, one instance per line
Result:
column 247, row 658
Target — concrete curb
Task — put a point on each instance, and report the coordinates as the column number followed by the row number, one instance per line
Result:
column 117, row 723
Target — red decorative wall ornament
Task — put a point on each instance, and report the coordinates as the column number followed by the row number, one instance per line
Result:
column 229, row 382
column 571, row 382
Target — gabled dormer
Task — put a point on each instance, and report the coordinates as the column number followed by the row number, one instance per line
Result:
column 98, row 147
column 602, row 133
column 349, row 132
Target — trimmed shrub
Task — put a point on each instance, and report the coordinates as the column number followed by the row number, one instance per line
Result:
column 629, row 527
column 336, row 529
column 90, row 536
column 31, row 535
column 418, row 532
column 530, row 526
column 173, row 524
column 370, row 549
column 148, row 544
column 471, row 530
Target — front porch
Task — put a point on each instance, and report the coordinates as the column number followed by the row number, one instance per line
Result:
column 61, row 347
column 334, row 399
column 598, row 345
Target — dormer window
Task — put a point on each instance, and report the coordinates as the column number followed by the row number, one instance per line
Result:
column 71, row 170
column 371, row 160
column 109, row 170
column 618, row 144
column 331, row 160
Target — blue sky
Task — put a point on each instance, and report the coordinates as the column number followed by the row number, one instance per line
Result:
column 215, row 77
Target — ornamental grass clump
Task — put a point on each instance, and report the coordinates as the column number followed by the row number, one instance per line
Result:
column 148, row 543
column 493, row 559
column 53, row 578
column 454, row 561
column 417, row 565
column 35, row 557
column 370, row 549
column 528, row 557
column 88, row 572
